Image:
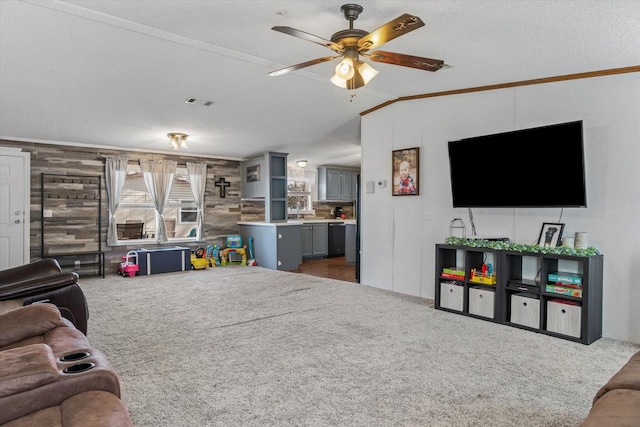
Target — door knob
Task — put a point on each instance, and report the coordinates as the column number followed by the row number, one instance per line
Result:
column 18, row 212
column 17, row 221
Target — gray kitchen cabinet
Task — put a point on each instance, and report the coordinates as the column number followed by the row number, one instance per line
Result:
column 314, row 240
column 336, row 184
column 275, row 246
column 266, row 178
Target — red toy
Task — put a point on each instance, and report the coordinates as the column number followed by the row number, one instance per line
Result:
column 129, row 265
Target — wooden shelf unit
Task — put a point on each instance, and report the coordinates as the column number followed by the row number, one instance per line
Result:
column 70, row 222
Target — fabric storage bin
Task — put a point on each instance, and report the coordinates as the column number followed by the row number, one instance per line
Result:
column 525, row 310
column 481, row 301
column 451, row 296
column 563, row 317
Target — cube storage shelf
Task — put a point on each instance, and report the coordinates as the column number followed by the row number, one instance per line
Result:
column 460, row 293
column 520, row 296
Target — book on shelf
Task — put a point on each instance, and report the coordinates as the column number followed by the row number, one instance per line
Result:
column 567, row 278
column 567, row 285
column 452, row 276
column 459, row 271
column 564, row 290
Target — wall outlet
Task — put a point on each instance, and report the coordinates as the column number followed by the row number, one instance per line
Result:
column 77, row 264
column 47, row 213
column 428, row 216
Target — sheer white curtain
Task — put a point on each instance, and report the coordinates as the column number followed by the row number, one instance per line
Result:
column 158, row 175
column 115, row 175
column 198, row 180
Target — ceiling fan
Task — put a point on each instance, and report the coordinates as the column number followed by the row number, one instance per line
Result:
column 351, row 72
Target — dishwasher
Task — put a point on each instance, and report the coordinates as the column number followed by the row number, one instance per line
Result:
column 335, row 246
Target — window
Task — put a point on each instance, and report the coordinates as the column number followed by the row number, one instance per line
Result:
column 187, row 215
column 136, row 215
column 300, row 187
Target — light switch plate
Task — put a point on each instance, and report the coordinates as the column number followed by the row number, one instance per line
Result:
column 371, row 187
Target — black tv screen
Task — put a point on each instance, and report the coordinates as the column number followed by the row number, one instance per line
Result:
column 536, row 167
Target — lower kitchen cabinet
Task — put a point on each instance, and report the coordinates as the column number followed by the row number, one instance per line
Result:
column 314, row 240
column 275, row 245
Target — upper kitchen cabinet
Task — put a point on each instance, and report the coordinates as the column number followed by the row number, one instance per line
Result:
column 266, row 178
column 336, row 184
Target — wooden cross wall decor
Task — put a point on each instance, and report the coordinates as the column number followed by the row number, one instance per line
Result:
column 223, row 184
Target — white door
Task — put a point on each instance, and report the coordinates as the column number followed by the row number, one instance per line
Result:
column 14, row 208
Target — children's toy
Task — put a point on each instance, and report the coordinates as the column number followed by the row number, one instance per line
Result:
column 252, row 260
column 129, row 265
column 233, row 251
column 213, row 252
column 198, row 259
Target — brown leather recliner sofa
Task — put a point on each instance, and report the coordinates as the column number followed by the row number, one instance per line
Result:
column 44, row 281
column 617, row 403
column 51, row 375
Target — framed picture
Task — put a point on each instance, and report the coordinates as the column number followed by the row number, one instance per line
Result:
column 253, row 173
column 406, row 172
column 550, row 234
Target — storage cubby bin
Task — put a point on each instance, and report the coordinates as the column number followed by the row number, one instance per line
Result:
column 451, row 296
column 525, row 310
column 563, row 318
column 481, row 302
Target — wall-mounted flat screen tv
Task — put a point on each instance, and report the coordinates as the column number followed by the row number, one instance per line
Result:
column 535, row 167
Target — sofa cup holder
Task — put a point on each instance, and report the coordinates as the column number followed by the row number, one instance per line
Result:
column 72, row 357
column 77, row 368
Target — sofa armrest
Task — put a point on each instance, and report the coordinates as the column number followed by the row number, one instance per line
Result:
column 71, row 302
column 28, row 321
column 29, row 286
column 40, row 268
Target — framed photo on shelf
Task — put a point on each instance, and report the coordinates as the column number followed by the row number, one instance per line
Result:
column 550, row 234
column 406, row 171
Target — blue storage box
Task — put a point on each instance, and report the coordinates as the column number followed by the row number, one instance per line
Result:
column 163, row 260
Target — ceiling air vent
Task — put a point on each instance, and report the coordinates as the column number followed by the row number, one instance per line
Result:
column 198, row 101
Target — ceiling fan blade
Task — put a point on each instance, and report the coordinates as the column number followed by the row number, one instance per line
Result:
column 302, row 65
column 407, row 60
column 310, row 37
column 389, row 31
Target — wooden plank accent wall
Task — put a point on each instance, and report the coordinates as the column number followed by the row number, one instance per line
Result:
column 75, row 205
column 221, row 214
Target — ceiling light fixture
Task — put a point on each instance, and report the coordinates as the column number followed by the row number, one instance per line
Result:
column 301, row 163
column 178, row 140
column 351, row 73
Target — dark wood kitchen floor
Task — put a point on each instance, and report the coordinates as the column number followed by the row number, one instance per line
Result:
column 332, row 268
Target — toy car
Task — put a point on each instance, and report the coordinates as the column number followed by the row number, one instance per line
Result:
column 198, row 260
column 129, row 266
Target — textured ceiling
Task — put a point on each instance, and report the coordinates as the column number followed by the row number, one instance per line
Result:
column 117, row 73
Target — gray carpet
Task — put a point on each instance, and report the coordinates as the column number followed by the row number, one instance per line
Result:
column 247, row 346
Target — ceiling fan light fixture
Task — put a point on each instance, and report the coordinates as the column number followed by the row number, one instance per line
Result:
column 336, row 80
column 345, row 69
column 367, row 72
column 177, row 140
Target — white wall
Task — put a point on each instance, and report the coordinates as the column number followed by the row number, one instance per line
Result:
column 399, row 238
